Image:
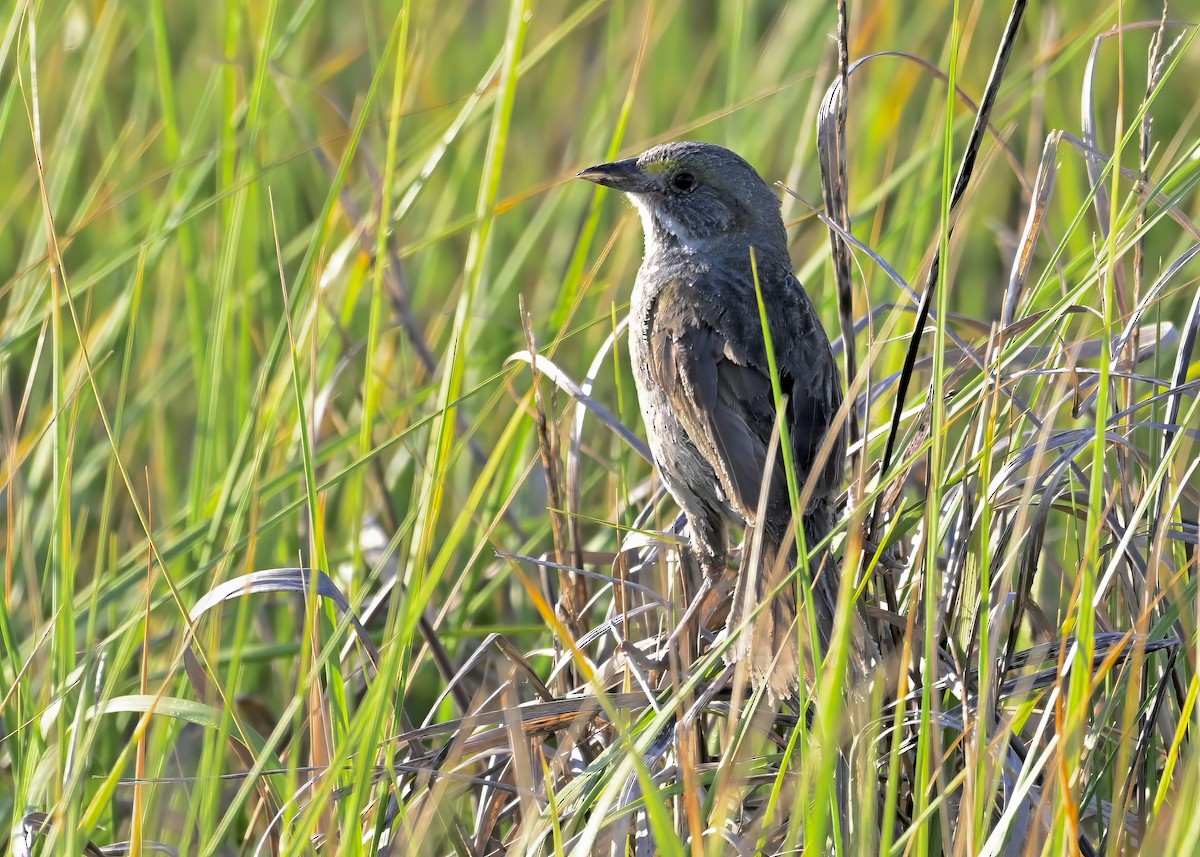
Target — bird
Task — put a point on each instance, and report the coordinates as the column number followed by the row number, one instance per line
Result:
column 704, row 386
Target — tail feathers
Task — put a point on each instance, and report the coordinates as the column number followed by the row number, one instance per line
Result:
column 767, row 641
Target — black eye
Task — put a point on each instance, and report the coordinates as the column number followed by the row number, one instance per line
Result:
column 684, row 182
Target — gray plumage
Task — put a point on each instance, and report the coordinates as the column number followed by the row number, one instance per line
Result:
column 704, row 385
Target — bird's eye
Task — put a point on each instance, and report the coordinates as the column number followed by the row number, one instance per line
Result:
column 684, row 182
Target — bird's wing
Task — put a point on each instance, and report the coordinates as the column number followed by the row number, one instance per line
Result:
column 709, row 358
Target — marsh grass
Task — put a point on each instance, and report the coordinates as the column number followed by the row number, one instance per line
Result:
column 327, row 524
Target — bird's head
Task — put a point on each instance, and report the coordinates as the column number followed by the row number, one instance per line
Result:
column 697, row 197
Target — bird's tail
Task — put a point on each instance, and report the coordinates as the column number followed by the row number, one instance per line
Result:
column 768, row 641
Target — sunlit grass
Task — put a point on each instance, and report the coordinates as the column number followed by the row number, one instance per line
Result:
column 262, row 272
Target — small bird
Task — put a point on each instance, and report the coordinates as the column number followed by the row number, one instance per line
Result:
column 704, row 384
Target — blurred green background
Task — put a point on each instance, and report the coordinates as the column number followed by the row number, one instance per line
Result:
column 210, row 171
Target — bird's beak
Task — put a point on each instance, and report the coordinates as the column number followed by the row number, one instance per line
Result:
column 623, row 175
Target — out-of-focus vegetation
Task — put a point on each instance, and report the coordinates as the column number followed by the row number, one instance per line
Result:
column 262, row 270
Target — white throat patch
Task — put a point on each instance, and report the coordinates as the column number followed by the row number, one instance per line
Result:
column 653, row 246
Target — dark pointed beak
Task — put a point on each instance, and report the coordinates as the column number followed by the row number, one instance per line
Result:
column 623, row 175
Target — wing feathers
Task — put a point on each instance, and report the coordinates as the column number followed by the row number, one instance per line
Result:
column 711, row 361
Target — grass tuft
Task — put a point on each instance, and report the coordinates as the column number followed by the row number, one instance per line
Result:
column 326, row 524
